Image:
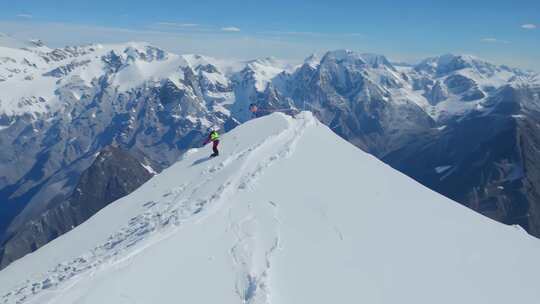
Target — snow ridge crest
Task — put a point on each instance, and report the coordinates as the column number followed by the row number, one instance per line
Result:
column 190, row 202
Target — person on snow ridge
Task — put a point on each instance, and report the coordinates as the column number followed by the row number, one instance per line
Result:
column 254, row 109
column 213, row 136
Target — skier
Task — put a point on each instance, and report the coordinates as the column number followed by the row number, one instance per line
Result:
column 213, row 136
column 255, row 111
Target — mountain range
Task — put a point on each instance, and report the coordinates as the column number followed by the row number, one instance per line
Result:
column 464, row 127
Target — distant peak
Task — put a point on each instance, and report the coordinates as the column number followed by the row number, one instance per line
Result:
column 200, row 62
column 311, row 57
column 340, row 54
column 354, row 58
column 37, row 42
column 376, row 60
column 16, row 43
column 448, row 58
column 313, row 60
column 139, row 45
column 269, row 61
column 448, row 63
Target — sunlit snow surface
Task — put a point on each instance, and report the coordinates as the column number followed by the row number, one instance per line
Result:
column 288, row 213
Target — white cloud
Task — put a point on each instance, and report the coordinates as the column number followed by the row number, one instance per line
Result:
column 529, row 26
column 230, row 29
column 292, row 33
column 494, row 40
column 25, row 16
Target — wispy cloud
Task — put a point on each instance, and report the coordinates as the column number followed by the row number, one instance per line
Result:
column 175, row 24
column 494, row 40
column 354, row 34
column 291, row 33
column 230, row 29
column 24, row 16
column 311, row 34
column 529, row 26
column 180, row 27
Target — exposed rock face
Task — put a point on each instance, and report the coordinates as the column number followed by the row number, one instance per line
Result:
column 50, row 146
column 355, row 95
column 436, row 93
column 114, row 174
column 487, row 160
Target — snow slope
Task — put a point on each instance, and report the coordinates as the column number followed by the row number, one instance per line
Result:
column 289, row 213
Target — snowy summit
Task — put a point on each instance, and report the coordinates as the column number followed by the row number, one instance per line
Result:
column 289, row 213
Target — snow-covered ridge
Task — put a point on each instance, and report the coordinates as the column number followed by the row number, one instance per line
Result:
column 162, row 216
column 356, row 59
column 33, row 76
column 273, row 220
column 262, row 72
column 444, row 87
column 31, row 79
column 10, row 42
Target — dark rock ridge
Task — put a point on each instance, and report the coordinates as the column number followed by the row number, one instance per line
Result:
column 488, row 162
column 114, row 174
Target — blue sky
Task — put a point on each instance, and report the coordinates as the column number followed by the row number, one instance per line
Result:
column 500, row 31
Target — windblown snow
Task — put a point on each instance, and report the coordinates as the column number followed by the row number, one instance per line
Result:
column 289, row 213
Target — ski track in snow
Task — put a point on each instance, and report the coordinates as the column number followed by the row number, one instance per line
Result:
column 163, row 218
column 253, row 251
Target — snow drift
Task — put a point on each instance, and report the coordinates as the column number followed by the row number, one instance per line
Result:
column 289, row 213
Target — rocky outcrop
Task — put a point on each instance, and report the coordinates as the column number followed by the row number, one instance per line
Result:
column 487, row 161
column 353, row 96
column 114, row 174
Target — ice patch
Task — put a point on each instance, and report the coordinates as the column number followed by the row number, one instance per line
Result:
column 442, row 169
column 149, row 169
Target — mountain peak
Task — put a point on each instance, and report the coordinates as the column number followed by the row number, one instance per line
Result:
column 313, row 60
column 341, row 55
column 354, row 58
column 448, row 63
column 267, row 61
column 15, row 43
column 377, row 60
